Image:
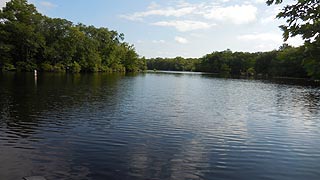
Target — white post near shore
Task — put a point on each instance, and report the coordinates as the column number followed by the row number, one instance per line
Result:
column 35, row 77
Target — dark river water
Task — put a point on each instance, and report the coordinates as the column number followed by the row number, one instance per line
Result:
column 156, row 126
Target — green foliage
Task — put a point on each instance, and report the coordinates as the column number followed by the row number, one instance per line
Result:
column 46, row 66
column 172, row 64
column 251, row 71
column 104, row 68
column 118, row 68
column 303, row 18
column 312, row 59
column 263, row 62
column 26, row 66
column 59, row 68
column 289, row 63
column 27, row 38
column 8, row 67
column 225, row 68
column 312, row 66
column 286, row 62
column 74, row 67
column 142, row 64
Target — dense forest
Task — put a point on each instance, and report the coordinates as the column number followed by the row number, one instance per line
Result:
column 30, row 40
column 288, row 61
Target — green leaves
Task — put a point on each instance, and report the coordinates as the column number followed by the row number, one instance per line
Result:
column 31, row 41
column 303, row 18
column 269, row 2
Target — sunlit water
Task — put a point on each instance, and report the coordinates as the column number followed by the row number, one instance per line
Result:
column 157, row 126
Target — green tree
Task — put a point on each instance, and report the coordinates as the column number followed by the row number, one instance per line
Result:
column 263, row 62
column 29, row 40
column 303, row 18
column 289, row 63
column 312, row 59
column 61, row 40
column 20, row 23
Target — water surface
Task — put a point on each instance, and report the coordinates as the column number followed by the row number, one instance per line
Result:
column 157, row 126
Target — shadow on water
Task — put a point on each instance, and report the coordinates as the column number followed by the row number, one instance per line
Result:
column 24, row 98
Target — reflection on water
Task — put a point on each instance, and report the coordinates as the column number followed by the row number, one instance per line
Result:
column 157, row 126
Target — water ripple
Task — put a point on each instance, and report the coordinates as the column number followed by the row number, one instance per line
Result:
column 157, row 126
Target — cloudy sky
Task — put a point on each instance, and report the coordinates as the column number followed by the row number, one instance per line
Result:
column 169, row 28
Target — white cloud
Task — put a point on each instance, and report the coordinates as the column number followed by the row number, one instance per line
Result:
column 158, row 41
column 184, row 26
column 265, row 47
column 270, row 15
column 47, row 4
column 181, row 40
column 170, row 11
column 140, row 41
column 261, row 37
column 269, row 41
column 236, row 14
column 295, row 41
column 259, row 1
column 153, row 5
column 197, row 35
column 3, row 3
column 268, row 19
column 199, row 23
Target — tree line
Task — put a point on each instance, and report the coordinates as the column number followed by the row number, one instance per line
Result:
column 30, row 40
column 287, row 61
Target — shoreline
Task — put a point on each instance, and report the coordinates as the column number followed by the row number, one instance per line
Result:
column 277, row 79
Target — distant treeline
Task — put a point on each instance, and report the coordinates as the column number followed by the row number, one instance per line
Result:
column 30, row 40
column 288, row 61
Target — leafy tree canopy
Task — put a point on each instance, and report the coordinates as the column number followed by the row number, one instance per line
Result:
column 29, row 40
column 303, row 18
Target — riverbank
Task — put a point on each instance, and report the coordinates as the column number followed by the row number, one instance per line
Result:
column 281, row 80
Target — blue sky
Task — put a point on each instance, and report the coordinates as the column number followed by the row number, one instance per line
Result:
column 169, row 28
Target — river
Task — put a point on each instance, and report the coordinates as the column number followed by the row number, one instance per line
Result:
column 150, row 126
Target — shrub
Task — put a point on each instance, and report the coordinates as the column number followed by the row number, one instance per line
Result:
column 94, row 68
column 118, row 68
column 26, row 66
column 8, row 67
column 46, row 66
column 74, row 67
column 59, row 68
column 251, row 71
column 104, row 68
